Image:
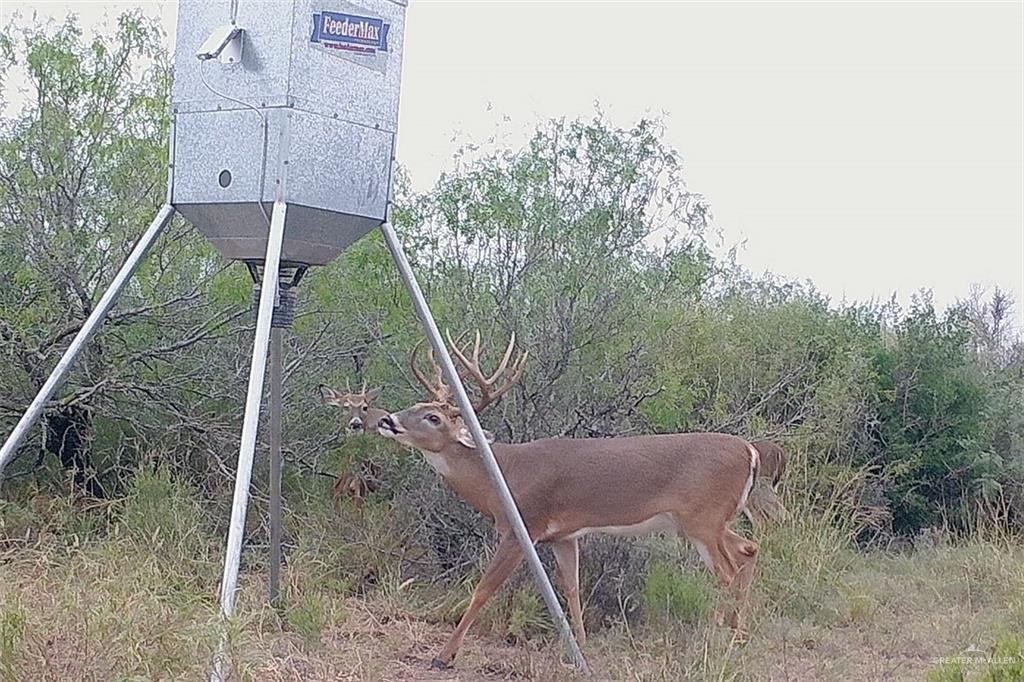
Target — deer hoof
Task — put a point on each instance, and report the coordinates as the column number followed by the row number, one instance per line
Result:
column 438, row 664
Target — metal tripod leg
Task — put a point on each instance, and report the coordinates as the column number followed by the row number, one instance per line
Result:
column 89, row 328
column 469, row 415
column 276, row 371
column 250, row 425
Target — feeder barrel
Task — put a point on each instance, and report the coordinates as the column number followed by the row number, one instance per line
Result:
column 311, row 108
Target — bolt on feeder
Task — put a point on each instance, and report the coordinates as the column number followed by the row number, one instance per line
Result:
column 282, row 142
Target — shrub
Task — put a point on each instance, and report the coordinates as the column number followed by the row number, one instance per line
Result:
column 672, row 596
column 164, row 513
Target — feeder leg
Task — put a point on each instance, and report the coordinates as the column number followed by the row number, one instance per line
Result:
column 276, row 371
column 89, row 328
column 470, row 417
column 250, row 426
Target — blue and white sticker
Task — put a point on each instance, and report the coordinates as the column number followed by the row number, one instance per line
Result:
column 353, row 35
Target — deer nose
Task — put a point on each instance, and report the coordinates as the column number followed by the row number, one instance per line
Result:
column 355, row 424
column 387, row 423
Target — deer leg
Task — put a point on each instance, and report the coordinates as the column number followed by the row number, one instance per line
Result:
column 567, row 559
column 338, row 485
column 709, row 547
column 505, row 559
column 717, row 561
column 744, row 554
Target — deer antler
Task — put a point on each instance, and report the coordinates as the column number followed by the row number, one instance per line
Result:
column 488, row 394
column 438, row 389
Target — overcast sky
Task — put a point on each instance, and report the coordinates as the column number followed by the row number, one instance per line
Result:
column 871, row 147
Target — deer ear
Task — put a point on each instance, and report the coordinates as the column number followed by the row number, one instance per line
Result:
column 466, row 437
column 330, row 396
column 373, row 395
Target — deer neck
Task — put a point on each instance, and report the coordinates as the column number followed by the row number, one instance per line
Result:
column 464, row 472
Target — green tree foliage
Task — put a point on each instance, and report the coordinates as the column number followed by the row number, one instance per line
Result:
column 585, row 242
column 934, row 406
column 83, row 164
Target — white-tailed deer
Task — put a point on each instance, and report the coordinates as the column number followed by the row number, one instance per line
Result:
column 764, row 504
column 773, row 462
column 363, row 417
column 691, row 485
column 362, row 413
column 356, row 486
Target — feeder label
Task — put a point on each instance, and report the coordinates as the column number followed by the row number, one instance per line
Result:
column 352, row 36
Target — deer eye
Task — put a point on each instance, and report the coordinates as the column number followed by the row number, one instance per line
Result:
column 365, row 408
column 433, row 419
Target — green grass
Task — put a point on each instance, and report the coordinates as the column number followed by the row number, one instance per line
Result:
column 307, row 615
column 12, row 635
column 674, row 596
column 128, row 590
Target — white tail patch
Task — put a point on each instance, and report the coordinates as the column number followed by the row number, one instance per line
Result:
column 754, row 461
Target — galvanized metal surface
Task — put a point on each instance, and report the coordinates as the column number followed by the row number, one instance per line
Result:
column 89, row 328
column 282, row 68
column 207, row 143
column 266, row 51
column 339, row 166
column 494, row 472
column 315, row 237
column 324, row 82
column 302, row 112
column 336, row 173
column 250, row 427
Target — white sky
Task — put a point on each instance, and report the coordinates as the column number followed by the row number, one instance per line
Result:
column 871, row 147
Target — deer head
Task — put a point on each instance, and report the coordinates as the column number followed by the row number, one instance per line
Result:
column 363, row 416
column 434, row 425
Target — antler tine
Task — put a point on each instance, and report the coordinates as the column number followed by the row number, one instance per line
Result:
column 439, row 389
column 486, row 384
column 438, row 372
column 517, row 373
column 456, row 345
column 504, row 359
column 433, row 390
column 472, row 367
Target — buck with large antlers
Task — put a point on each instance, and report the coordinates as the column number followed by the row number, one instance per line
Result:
column 691, row 485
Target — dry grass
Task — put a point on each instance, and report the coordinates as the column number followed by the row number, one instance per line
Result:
column 113, row 602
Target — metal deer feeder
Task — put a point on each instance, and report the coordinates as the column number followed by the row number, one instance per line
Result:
column 285, row 117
